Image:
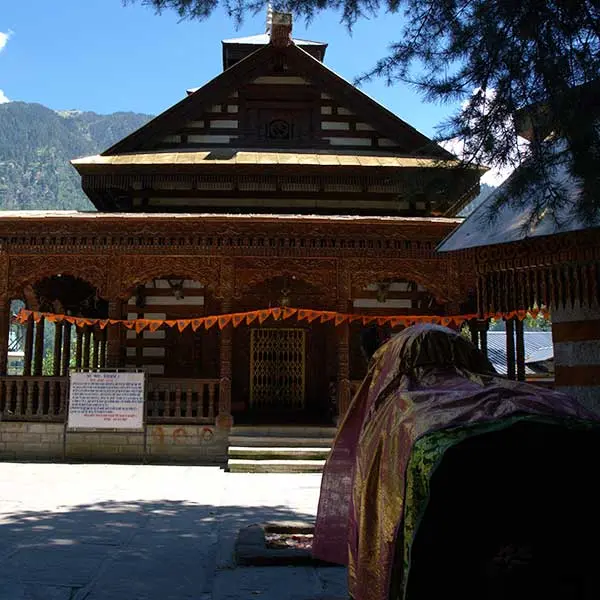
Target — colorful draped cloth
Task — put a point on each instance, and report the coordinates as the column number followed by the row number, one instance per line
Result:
column 426, row 379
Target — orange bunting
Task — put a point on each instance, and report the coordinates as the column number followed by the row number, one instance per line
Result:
column 301, row 314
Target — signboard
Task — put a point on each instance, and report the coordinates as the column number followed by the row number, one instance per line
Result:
column 106, row 400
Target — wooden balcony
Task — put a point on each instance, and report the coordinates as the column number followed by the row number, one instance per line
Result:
column 167, row 400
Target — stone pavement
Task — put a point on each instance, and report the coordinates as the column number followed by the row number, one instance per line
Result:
column 123, row 532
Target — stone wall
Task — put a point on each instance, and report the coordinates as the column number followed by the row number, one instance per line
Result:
column 31, row 441
column 190, row 444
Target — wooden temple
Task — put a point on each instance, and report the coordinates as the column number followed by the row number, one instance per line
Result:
column 278, row 183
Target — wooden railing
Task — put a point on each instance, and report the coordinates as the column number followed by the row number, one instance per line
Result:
column 189, row 400
column 24, row 398
column 33, row 398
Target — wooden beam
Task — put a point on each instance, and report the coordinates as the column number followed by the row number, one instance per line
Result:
column 520, row 347
column 511, row 370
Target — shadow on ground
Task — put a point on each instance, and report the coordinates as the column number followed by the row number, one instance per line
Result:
column 134, row 550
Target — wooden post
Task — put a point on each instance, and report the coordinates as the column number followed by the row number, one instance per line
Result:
column 113, row 335
column 28, row 360
column 4, row 333
column 224, row 418
column 103, row 334
column 79, row 348
column 38, row 359
column 66, row 355
column 474, row 332
column 483, row 329
column 96, row 349
column 520, row 345
column 343, row 352
column 87, row 339
column 58, row 333
column 511, row 370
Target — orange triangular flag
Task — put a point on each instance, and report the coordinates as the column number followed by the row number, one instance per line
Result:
column 171, row 323
column 23, row 316
column 302, row 314
column 140, row 325
column 395, row 321
column 383, row 320
column 224, row 320
column 197, row 323
column 237, row 318
column 182, row 324
column 37, row 316
column 289, row 312
column 72, row 320
column 209, row 322
column 327, row 315
column 155, row 324
column 263, row 315
column 129, row 324
column 340, row 318
column 312, row 315
column 276, row 312
column 53, row 318
column 102, row 323
column 251, row 317
column 445, row 321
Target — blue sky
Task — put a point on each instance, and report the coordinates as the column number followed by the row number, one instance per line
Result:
column 99, row 55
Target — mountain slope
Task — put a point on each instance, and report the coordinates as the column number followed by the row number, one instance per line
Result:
column 36, row 145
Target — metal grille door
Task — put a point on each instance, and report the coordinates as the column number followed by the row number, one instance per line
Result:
column 277, row 368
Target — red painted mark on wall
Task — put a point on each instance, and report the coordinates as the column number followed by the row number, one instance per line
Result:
column 207, row 434
column 177, row 433
column 159, row 432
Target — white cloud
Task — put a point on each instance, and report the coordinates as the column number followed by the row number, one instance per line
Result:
column 4, row 37
column 3, row 98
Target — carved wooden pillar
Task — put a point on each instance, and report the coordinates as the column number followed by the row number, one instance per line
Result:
column 4, row 332
column 224, row 418
column 520, row 345
column 510, row 349
column 113, row 335
column 38, row 359
column 28, row 359
column 58, row 334
column 343, row 346
column 66, row 349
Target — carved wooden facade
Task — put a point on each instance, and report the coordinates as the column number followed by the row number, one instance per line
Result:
column 277, row 182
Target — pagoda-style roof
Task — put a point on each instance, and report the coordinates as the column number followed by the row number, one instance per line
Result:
column 278, row 131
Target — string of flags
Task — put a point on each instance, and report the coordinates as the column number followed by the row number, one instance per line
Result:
column 259, row 317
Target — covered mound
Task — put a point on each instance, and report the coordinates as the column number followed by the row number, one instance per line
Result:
column 427, row 391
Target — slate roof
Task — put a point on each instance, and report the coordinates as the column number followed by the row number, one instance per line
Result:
column 538, row 348
column 508, row 223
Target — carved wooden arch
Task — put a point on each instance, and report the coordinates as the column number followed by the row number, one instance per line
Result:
column 433, row 276
column 319, row 276
column 138, row 270
column 25, row 271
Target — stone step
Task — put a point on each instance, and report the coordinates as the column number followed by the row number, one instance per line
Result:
column 277, row 453
column 268, row 441
column 283, row 431
column 240, row 465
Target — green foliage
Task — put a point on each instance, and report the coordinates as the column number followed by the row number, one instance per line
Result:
column 36, row 145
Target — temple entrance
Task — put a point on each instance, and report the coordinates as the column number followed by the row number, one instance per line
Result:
column 277, row 369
